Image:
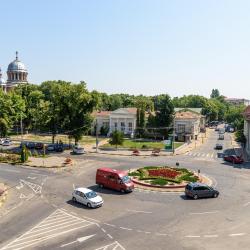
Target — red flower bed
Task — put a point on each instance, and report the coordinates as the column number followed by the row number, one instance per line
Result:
column 164, row 172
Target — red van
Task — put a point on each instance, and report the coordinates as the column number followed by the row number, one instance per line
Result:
column 114, row 179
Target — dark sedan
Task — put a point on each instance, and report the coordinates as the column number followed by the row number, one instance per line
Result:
column 234, row 159
column 197, row 190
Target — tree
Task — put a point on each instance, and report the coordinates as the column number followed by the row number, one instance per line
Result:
column 140, row 122
column 164, row 112
column 4, row 127
column 215, row 93
column 117, row 138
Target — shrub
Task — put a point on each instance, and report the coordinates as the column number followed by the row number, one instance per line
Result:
column 134, row 174
column 144, row 146
column 159, row 181
column 188, row 178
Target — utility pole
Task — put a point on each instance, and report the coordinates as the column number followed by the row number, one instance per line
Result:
column 173, row 136
column 21, row 126
column 96, row 136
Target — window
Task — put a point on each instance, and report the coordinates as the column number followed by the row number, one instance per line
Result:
column 181, row 128
column 130, row 126
column 115, row 125
column 122, row 126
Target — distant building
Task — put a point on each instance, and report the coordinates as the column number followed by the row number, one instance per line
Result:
column 16, row 74
column 188, row 123
column 246, row 115
column 238, row 101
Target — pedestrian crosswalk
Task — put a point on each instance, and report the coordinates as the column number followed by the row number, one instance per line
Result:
column 56, row 224
column 212, row 155
column 113, row 246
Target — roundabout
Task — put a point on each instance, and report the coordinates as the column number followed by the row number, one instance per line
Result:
column 148, row 218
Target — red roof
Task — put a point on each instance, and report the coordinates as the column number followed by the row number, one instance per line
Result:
column 132, row 110
column 101, row 113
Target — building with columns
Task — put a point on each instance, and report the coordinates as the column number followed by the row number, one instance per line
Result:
column 16, row 74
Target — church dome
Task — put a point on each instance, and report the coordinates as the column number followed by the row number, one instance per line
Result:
column 17, row 65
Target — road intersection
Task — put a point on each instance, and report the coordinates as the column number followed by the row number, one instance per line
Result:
column 48, row 219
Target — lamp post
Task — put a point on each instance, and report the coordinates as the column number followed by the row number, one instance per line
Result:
column 96, row 136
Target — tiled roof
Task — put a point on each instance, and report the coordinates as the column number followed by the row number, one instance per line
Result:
column 186, row 115
column 196, row 110
column 101, row 113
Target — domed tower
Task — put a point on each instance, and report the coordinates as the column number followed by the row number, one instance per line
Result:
column 17, row 73
column 2, row 82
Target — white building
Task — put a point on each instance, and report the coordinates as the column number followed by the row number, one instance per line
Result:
column 188, row 123
column 238, row 101
column 246, row 115
column 123, row 119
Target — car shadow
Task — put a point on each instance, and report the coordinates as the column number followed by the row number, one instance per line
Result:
column 245, row 165
column 184, row 197
column 78, row 205
column 100, row 190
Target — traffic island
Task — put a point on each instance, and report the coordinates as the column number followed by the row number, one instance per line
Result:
column 165, row 179
column 3, row 194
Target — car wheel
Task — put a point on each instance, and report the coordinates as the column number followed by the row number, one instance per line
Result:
column 101, row 186
column 215, row 195
column 123, row 191
column 74, row 199
column 196, row 197
column 89, row 205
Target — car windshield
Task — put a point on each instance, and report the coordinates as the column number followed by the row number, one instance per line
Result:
column 125, row 179
column 91, row 194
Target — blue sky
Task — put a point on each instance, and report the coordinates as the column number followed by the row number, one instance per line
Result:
column 134, row 46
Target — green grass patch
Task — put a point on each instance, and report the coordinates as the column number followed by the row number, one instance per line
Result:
column 161, row 182
column 131, row 144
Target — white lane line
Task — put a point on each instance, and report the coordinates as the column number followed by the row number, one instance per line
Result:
column 159, row 234
column 211, row 236
column 212, row 155
column 82, row 239
column 65, row 210
column 73, row 186
column 73, row 213
column 246, row 204
column 203, row 154
column 34, row 241
column 111, row 225
column 212, row 212
column 139, row 211
column 192, row 236
column 125, row 228
column 88, row 218
column 103, row 230
column 110, row 236
column 239, row 234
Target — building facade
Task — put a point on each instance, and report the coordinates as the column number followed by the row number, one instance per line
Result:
column 16, row 74
column 122, row 119
column 238, row 101
column 246, row 115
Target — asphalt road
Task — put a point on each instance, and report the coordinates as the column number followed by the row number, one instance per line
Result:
column 39, row 213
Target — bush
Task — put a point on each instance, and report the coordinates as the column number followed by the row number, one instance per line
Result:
column 159, row 181
column 188, row 178
column 144, row 146
column 134, row 174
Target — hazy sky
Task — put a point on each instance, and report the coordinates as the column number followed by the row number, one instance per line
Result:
column 133, row 46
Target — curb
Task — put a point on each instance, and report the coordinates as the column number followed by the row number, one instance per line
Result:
column 3, row 196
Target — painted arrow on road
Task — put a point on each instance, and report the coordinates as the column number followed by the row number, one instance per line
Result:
column 82, row 239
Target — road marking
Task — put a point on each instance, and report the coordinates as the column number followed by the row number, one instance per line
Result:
column 192, row 236
column 73, row 186
column 211, row 236
column 116, row 244
column 35, row 188
column 111, row 225
column 125, row 228
column 138, row 211
column 212, row 212
column 208, row 155
column 239, row 234
column 110, row 236
column 203, row 154
column 161, row 234
column 246, row 204
column 32, row 178
column 82, row 239
column 103, row 230
column 42, row 231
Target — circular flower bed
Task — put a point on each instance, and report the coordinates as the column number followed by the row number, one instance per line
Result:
column 163, row 176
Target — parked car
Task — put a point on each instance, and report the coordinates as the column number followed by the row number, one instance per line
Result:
column 218, row 146
column 114, row 179
column 39, row 145
column 87, row 197
column 30, row 145
column 78, row 150
column 51, row 147
column 234, row 159
column 59, row 147
column 7, row 143
column 1, row 141
column 197, row 190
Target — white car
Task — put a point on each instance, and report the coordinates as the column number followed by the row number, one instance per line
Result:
column 7, row 143
column 50, row 147
column 78, row 150
column 1, row 141
column 87, row 197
